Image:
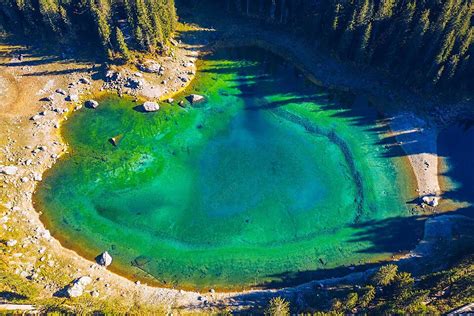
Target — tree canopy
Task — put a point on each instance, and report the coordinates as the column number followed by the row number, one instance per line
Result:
column 114, row 25
column 425, row 43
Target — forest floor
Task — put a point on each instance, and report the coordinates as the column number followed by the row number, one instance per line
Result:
column 34, row 267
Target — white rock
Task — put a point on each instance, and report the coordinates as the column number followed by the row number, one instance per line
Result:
column 11, row 242
column 431, row 200
column 36, row 117
column 8, row 170
column 104, row 259
column 72, row 98
column 74, row 290
column 150, row 106
column 195, row 98
column 83, row 281
column 24, row 179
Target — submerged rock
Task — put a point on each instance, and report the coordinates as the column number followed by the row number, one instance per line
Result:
column 104, row 259
column 195, row 98
column 92, row 104
column 8, row 170
column 150, row 106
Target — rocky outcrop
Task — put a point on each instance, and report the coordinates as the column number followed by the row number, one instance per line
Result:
column 150, row 106
column 104, row 259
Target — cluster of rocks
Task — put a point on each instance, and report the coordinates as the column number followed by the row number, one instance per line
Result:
column 151, row 66
column 114, row 80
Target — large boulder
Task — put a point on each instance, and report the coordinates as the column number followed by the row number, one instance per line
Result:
column 8, row 170
column 104, row 259
column 150, row 106
column 76, row 289
column 195, row 98
column 431, row 200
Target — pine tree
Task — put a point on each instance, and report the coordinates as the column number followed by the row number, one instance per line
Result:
column 121, row 45
column 364, row 42
column 99, row 14
column 386, row 8
column 337, row 10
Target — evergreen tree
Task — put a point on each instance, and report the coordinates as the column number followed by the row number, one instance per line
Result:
column 121, row 45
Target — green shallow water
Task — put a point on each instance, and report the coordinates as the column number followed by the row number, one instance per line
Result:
column 267, row 183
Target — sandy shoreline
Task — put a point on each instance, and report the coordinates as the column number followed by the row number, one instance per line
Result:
column 41, row 258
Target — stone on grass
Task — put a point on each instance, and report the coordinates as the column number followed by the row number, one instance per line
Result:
column 104, row 259
column 150, row 106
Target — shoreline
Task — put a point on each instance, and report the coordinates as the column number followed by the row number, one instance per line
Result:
column 189, row 299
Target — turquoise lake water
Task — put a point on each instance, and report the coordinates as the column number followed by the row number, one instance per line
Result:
column 266, row 182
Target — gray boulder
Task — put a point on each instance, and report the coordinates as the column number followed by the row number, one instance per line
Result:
column 104, row 259
column 150, row 106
